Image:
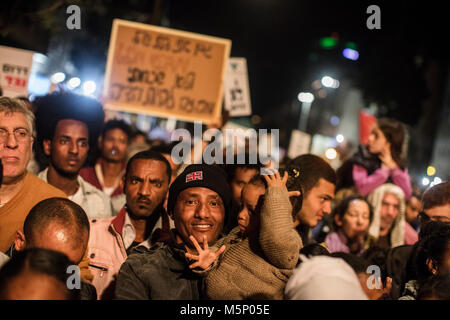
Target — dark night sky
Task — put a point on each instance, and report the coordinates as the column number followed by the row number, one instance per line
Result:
column 277, row 38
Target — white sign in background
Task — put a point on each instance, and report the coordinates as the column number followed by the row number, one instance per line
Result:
column 15, row 69
column 299, row 144
column 236, row 88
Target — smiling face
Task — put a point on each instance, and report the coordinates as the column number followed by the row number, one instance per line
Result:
column 248, row 217
column 199, row 212
column 145, row 186
column 316, row 203
column 356, row 219
column 69, row 147
column 15, row 154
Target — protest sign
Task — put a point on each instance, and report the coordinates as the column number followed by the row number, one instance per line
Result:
column 237, row 92
column 299, row 144
column 366, row 122
column 165, row 72
column 15, row 71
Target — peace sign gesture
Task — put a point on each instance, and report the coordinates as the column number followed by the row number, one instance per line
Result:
column 205, row 257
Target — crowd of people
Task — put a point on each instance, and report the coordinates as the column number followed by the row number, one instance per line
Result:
column 93, row 210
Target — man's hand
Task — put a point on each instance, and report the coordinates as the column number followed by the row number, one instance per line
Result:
column 205, row 257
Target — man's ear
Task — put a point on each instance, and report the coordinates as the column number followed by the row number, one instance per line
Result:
column 47, row 146
column 122, row 182
column 171, row 215
column 100, row 142
column 19, row 241
column 432, row 266
column 338, row 221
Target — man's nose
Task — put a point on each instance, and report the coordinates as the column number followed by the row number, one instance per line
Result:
column 73, row 148
column 391, row 210
column 144, row 189
column 327, row 207
column 202, row 211
column 11, row 141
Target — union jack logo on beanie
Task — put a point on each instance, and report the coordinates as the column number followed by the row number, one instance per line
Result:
column 197, row 175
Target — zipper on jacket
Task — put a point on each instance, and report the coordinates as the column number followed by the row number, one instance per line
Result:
column 103, row 269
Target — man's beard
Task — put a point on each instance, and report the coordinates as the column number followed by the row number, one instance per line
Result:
column 64, row 173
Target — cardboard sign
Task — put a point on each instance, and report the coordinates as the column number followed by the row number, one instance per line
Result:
column 165, row 72
column 15, row 69
column 237, row 92
column 299, row 144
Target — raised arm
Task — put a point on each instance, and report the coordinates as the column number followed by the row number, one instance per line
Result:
column 365, row 183
column 278, row 239
column 401, row 178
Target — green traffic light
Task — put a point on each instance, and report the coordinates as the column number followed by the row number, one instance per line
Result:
column 328, row 42
column 351, row 45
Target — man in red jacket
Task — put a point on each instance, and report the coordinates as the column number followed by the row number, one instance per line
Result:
column 141, row 220
column 110, row 167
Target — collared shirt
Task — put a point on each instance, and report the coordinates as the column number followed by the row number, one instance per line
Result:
column 95, row 203
column 128, row 231
column 109, row 191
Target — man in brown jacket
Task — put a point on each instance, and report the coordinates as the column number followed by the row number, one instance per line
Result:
column 20, row 190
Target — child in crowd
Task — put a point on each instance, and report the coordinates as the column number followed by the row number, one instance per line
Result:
column 382, row 160
column 262, row 252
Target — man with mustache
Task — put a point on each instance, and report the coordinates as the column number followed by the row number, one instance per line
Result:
column 145, row 183
column 389, row 228
column 199, row 201
column 110, row 167
column 68, row 124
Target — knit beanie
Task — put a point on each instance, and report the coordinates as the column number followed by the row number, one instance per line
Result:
column 201, row 175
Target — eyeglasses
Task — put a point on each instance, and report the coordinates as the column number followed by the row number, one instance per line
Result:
column 21, row 135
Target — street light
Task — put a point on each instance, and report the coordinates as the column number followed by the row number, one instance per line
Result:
column 89, row 87
column 306, row 98
column 58, row 77
column 329, row 82
column 74, row 82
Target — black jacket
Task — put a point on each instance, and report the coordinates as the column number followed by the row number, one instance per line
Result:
column 159, row 273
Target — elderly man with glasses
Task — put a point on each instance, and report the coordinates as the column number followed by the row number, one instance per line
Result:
column 20, row 190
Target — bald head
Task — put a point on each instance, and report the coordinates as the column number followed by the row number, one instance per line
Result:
column 57, row 224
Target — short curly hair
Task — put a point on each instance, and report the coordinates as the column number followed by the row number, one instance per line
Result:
column 52, row 108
